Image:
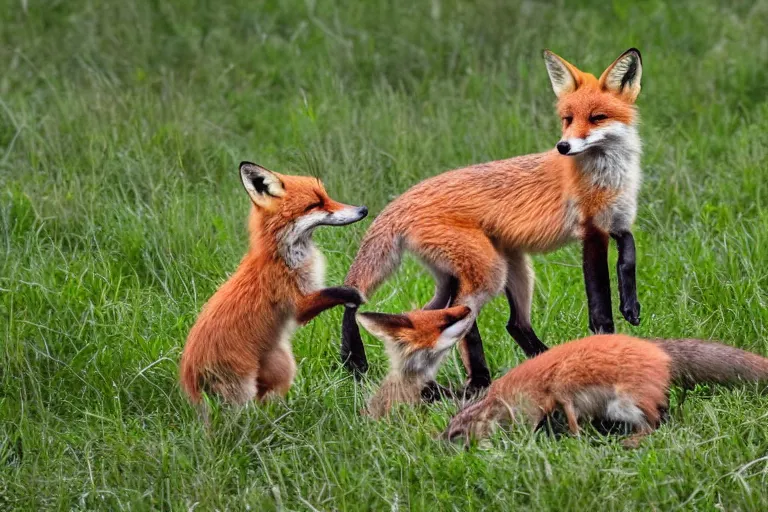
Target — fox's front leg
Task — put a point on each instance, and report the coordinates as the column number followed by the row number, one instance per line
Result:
column 625, row 268
column 597, row 281
column 572, row 416
column 311, row 305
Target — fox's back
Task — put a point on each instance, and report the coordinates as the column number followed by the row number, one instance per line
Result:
column 523, row 198
column 617, row 362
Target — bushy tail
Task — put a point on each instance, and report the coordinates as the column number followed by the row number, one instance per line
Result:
column 378, row 257
column 696, row 361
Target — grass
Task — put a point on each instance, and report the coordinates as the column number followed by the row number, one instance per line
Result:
column 121, row 125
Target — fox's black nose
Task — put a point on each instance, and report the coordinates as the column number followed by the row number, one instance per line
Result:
column 563, row 147
column 363, row 211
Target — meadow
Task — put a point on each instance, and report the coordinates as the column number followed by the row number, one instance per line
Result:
column 121, row 211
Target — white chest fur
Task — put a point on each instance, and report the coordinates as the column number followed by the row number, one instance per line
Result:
column 615, row 165
column 310, row 273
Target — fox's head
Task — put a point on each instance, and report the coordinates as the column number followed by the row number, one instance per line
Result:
column 416, row 342
column 291, row 207
column 598, row 114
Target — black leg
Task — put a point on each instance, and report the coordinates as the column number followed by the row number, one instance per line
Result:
column 433, row 392
column 597, row 281
column 524, row 336
column 352, row 349
column 474, row 359
column 625, row 268
column 472, row 353
column 444, row 294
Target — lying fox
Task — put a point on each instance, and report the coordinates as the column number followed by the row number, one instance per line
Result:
column 240, row 346
column 612, row 377
column 474, row 227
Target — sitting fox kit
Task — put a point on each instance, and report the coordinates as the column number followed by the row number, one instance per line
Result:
column 240, row 346
column 613, row 377
column 474, row 227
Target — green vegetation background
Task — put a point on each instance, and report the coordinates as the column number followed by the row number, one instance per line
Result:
column 121, row 126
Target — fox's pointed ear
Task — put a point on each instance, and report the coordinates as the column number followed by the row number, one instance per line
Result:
column 383, row 325
column 456, row 322
column 623, row 76
column 563, row 75
column 262, row 185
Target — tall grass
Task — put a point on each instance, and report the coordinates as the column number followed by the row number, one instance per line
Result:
column 121, row 125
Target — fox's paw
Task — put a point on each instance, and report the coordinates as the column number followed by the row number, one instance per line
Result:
column 631, row 312
column 601, row 325
column 349, row 296
column 354, row 297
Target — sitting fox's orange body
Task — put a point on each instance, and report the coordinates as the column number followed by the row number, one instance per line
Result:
column 240, row 346
column 474, row 227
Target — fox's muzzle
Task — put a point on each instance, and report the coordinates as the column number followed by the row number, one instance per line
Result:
column 348, row 215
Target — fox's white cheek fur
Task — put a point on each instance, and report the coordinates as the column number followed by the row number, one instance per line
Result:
column 295, row 243
column 617, row 163
column 304, row 225
column 614, row 132
column 454, row 333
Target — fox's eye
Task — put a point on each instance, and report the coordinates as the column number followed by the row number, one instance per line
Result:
column 313, row 206
column 568, row 120
column 596, row 118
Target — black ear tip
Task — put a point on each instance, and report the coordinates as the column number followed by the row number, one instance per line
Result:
column 635, row 50
column 245, row 163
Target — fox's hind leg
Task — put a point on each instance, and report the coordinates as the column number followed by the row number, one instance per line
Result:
column 232, row 387
column 446, row 287
column 481, row 274
column 519, row 291
column 276, row 372
column 643, row 415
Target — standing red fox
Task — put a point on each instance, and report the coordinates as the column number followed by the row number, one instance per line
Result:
column 614, row 377
column 474, row 227
column 240, row 346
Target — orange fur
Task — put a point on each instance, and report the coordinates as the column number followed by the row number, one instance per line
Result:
column 617, row 377
column 239, row 347
column 416, row 343
column 477, row 224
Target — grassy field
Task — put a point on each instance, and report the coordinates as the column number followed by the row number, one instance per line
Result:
column 121, row 126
